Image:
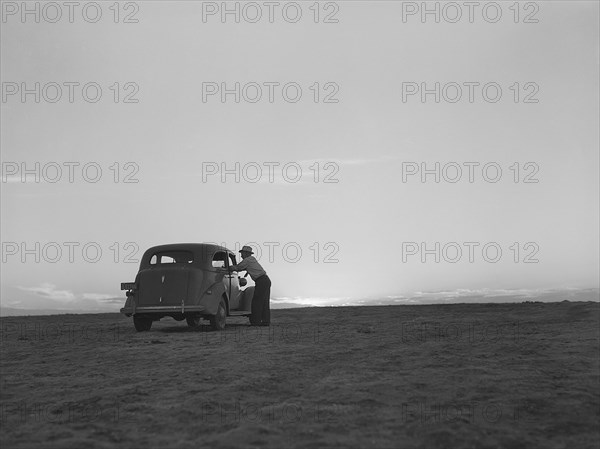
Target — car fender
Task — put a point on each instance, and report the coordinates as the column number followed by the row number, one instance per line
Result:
column 211, row 297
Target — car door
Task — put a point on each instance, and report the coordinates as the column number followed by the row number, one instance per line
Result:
column 234, row 284
column 222, row 261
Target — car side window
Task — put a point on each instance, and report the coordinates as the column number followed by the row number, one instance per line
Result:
column 218, row 260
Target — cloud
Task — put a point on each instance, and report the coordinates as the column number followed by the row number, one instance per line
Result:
column 289, row 173
column 50, row 297
column 314, row 170
column 365, row 161
column 103, row 299
column 298, row 301
column 49, row 291
column 98, row 296
column 483, row 295
column 114, row 300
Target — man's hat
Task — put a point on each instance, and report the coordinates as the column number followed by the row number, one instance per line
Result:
column 246, row 249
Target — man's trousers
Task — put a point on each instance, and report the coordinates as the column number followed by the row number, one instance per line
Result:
column 261, row 308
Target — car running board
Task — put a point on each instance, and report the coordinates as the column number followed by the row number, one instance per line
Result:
column 240, row 313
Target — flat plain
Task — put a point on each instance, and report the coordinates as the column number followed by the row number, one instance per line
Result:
column 520, row 375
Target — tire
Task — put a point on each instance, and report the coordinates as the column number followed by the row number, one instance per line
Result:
column 193, row 321
column 142, row 323
column 217, row 322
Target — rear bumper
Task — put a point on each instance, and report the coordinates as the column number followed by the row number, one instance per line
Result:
column 162, row 310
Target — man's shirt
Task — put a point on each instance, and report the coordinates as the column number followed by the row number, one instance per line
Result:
column 251, row 265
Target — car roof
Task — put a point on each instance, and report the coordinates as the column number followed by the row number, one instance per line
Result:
column 205, row 248
column 203, row 252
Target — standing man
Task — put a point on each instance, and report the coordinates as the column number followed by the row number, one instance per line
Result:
column 261, row 308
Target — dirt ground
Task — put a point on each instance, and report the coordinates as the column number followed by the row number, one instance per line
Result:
column 431, row 376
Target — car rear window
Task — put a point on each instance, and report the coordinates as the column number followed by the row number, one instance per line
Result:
column 169, row 257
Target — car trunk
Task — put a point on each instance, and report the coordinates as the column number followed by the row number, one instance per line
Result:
column 164, row 286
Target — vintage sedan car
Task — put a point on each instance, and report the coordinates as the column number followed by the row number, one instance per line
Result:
column 186, row 281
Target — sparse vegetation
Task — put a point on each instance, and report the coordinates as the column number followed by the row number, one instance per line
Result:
column 437, row 376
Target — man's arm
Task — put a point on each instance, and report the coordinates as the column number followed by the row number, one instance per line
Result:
column 239, row 267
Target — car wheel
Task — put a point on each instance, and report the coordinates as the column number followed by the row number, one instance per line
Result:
column 193, row 320
column 142, row 323
column 217, row 321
